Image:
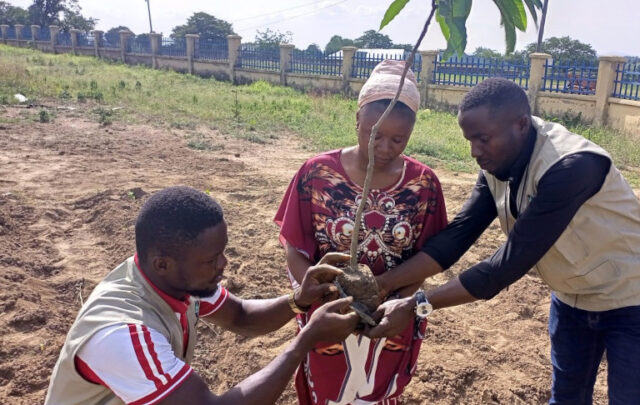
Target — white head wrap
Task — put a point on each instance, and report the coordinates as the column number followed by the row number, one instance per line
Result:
column 383, row 85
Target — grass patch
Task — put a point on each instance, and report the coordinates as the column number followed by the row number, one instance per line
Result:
column 198, row 142
column 105, row 116
column 258, row 112
column 44, row 116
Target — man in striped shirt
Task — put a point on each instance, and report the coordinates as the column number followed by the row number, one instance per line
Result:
column 133, row 339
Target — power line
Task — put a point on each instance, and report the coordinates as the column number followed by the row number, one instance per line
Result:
column 293, row 17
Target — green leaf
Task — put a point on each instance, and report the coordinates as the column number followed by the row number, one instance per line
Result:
column 532, row 5
column 443, row 26
column 452, row 16
column 392, row 12
column 510, row 36
column 513, row 12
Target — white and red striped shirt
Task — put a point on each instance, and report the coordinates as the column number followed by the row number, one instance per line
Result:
column 137, row 363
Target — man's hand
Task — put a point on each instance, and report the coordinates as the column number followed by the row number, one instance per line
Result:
column 317, row 283
column 329, row 323
column 394, row 317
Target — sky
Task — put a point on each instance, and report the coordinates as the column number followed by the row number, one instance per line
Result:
column 612, row 27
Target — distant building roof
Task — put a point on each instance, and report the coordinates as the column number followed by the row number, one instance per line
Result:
column 390, row 53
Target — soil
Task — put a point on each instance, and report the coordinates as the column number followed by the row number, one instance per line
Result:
column 69, row 194
column 361, row 285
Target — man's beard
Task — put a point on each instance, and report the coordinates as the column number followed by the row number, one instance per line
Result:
column 203, row 293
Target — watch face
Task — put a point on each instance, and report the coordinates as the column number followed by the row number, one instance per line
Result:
column 423, row 306
column 423, row 309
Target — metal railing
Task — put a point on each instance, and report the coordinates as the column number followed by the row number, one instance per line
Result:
column 111, row 41
column 27, row 35
column 470, row 70
column 417, row 65
column 85, row 39
column 173, row 47
column 253, row 57
column 44, row 34
column 364, row 62
column 627, row 81
column 64, row 39
column 212, row 49
column 138, row 44
column 316, row 63
column 570, row 77
column 11, row 33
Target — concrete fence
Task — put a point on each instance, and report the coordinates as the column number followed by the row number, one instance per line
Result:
column 599, row 108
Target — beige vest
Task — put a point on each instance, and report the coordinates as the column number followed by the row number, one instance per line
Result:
column 124, row 296
column 595, row 264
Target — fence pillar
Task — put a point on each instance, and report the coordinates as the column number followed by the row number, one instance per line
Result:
column 604, row 86
column 536, row 74
column 19, row 28
column 233, row 44
column 285, row 61
column 124, row 35
column 347, row 64
column 426, row 71
column 73, row 32
column 191, row 49
column 97, row 41
column 4, row 29
column 54, row 30
column 34, row 32
column 155, row 39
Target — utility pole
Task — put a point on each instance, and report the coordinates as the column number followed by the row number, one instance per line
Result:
column 541, row 29
column 149, row 11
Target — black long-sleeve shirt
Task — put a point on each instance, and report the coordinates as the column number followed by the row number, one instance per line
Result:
column 561, row 191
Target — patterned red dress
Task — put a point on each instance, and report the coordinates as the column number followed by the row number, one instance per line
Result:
column 316, row 216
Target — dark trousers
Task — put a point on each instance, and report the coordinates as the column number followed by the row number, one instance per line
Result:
column 578, row 340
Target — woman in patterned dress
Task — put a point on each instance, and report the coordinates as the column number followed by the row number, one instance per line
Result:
column 404, row 208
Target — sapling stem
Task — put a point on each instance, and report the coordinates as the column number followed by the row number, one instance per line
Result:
column 374, row 131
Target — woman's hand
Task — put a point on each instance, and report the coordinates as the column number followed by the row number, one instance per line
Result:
column 383, row 287
column 317, row 285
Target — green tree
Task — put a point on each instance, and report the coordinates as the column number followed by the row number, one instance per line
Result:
column 336, row 43
column 566, row 48
column 13, row 15
column 373, row 39
column 205, row 25
column 74, row 19
column 112, row 36
column 65, row 13
column 486, row 53
column 48, row 12
column 517, row 57
column 406, row 47
column 272, row 39
column 314, row 49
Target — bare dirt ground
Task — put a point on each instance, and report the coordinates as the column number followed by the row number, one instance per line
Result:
column 69, row 194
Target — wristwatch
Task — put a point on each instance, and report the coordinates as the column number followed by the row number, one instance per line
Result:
column 423, row 306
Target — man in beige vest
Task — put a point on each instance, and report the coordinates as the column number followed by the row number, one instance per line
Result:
column 133, row 339
column 568, row 213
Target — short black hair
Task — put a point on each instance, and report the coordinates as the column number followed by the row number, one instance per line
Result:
column 399, row 107
column 496, row 93
column 172, row 218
